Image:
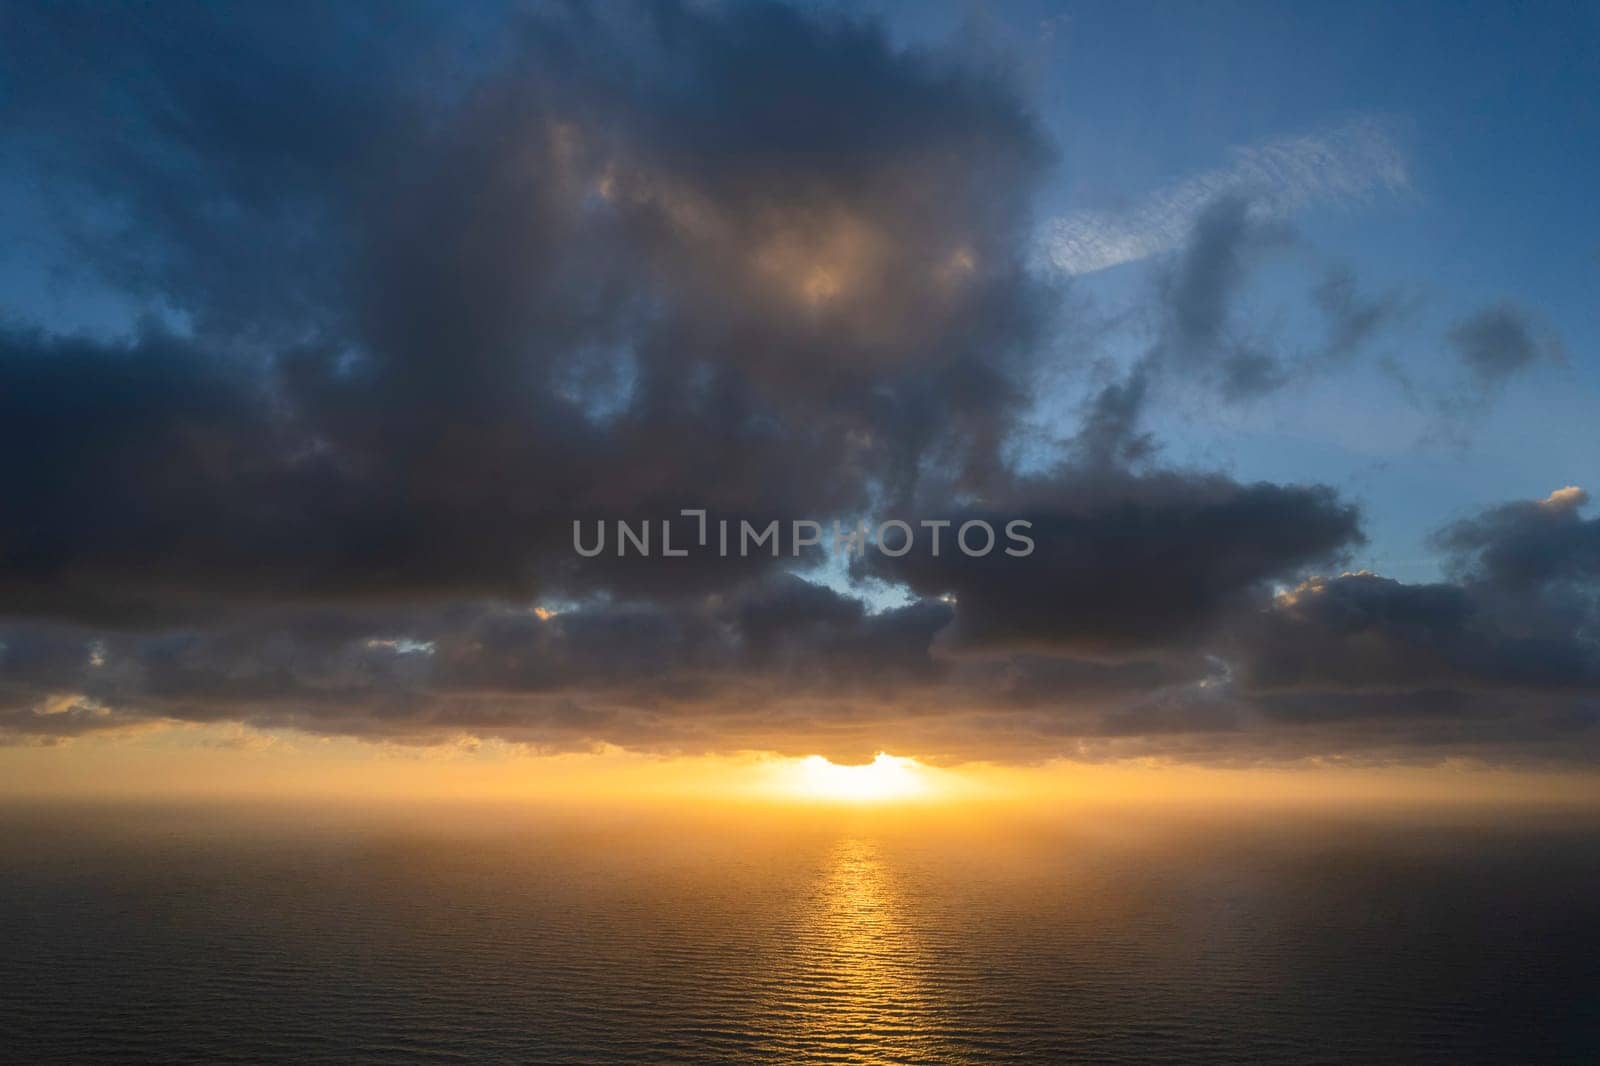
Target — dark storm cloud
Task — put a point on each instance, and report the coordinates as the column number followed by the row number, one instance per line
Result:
column 1505, row 650
column 1130, row 562
column 642, row 675
column 419, row 288
column 744, row 260
column 1528, row 547
column 1363, row 631
column 779, row 664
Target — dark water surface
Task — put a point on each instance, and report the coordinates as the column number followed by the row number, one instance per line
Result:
column 207, row 937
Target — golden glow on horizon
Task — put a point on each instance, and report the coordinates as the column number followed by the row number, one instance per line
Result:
column 220, row 761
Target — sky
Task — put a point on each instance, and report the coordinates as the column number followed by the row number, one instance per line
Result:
column 321, row 327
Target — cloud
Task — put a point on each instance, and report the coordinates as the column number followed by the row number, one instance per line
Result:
column 1541, row 552
column 1359, row 631
column 1499, row 341
column 1353, row 319
column 1503, row 655
column 1198, row 335
column 1345, row 165
column 1153, row 630
column 1132, row 562
column 767, row 265
column 418, row 296
column 1489, row 349
column 1201, row 338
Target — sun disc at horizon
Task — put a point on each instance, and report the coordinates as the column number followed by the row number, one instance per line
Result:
column 886, row 778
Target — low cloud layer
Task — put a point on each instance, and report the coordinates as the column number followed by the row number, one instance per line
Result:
column 411, row 298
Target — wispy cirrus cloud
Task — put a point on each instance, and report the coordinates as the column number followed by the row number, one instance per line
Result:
column 1345, row 164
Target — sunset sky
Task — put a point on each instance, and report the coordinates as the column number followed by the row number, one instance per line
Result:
column 322, row 324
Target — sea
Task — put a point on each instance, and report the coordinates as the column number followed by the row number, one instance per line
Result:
column 195, row 933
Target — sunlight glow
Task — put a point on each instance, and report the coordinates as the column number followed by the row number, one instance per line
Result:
column 886, row 777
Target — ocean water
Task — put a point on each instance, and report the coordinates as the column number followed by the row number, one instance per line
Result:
column 206, row 936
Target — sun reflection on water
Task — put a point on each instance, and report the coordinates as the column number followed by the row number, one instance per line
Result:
column 860, row 964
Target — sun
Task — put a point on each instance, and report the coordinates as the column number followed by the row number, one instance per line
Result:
column 887, row 777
